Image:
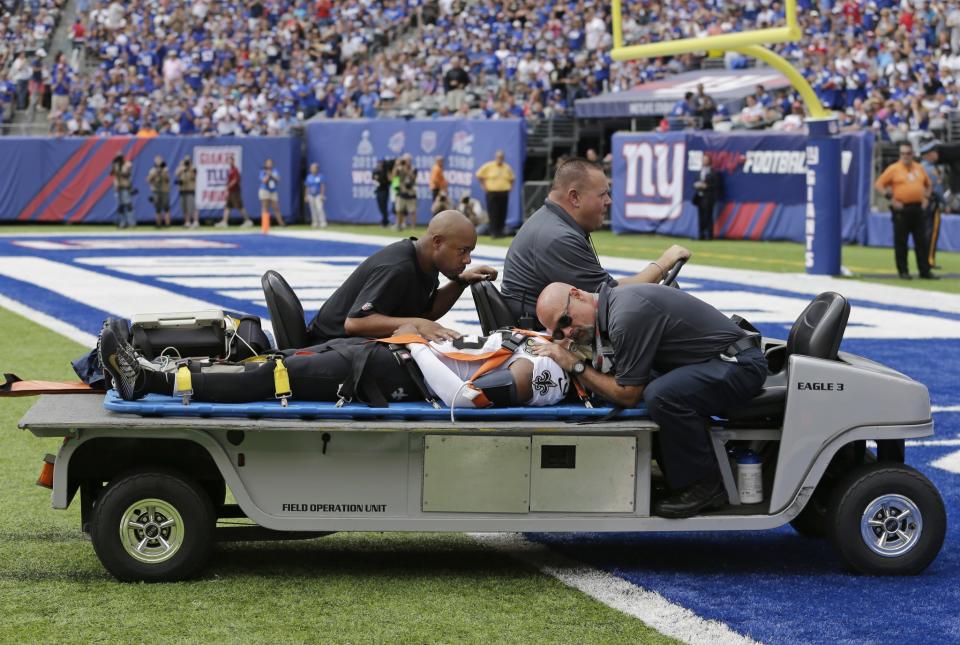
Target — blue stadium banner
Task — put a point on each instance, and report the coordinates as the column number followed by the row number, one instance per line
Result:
column 348, row 151
column 68, row 180
column 763, row 195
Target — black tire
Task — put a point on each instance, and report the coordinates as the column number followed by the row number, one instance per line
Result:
column 899, row 547
column 812, row 520
column 177, row 522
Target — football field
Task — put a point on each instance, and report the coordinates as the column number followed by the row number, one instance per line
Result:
column 770, row 586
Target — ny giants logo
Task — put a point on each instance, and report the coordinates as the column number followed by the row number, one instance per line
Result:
column 654, row 186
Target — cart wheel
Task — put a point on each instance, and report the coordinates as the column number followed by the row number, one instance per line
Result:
column 887, row 519
column 154, row 526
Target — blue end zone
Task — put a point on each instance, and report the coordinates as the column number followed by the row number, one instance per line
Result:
column 168, row 406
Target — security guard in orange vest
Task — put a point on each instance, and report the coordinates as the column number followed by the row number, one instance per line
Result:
column 907, row 186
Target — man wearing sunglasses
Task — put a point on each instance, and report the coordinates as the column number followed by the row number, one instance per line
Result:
column 554, row 245
column 684, row 359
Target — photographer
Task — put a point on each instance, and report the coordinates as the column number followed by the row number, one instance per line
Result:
column 159, row 180
column 269, row 193
column 474, row 211
column 440, row 203
column 186, row 175
column 121, row 170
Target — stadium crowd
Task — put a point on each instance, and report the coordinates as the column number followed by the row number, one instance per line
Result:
column 263, row 66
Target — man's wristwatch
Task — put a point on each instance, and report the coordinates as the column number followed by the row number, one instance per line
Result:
column 578, row 368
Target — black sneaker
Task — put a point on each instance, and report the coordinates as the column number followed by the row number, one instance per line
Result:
column 929, row 275
column 704, row 496
column 119, row 360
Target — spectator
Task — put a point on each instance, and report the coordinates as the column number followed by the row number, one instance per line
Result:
column 269, row 192
column 496, row 178
column 159, row 181
column 438, row 181
column 455, row 82
column 121, row 170
column 234, row 198
column 315, row 193
column 186, row 175
column 21, row 72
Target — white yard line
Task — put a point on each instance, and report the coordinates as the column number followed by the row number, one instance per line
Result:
column 650, row 607
column 62, row 328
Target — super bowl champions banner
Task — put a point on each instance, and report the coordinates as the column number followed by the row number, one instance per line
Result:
column 68, row 180
column 348, row 151
column 763, row 193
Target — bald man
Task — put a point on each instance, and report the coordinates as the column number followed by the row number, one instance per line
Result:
column 684, row 359
column 554, row 244
column 398, row 285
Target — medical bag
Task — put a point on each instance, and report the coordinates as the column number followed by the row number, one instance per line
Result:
column 211, row 333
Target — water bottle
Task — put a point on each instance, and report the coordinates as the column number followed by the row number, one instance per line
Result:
column 749, row 477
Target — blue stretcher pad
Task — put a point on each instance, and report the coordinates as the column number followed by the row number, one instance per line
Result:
column 167, row 406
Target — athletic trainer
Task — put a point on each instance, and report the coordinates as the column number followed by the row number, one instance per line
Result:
column 684, row 359
column 554, row 245
column 399, row 284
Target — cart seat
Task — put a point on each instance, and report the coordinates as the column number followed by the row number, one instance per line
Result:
column 492, row 309
column 286, row 312
column 817, row 333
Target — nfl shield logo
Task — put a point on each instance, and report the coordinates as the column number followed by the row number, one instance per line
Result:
column 428, row 141
column 397, row 141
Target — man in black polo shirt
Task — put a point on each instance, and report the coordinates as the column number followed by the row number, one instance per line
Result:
column 398, row 285
column 554, row 244
column 683, row 358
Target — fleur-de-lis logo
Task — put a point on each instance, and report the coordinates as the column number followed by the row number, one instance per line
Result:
column 544, row 382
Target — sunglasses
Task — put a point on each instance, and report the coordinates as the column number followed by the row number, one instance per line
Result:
column 563, row 321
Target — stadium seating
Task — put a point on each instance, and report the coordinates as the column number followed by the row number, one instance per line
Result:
column 229, row 68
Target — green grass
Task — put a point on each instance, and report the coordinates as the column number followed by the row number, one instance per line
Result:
column 869, row 264
column 346, row 588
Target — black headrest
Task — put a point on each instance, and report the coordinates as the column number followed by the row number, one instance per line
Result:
column 492, row 309
column 286, row 312
column 819, row 329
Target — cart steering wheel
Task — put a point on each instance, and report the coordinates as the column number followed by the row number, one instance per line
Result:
column 670, row 279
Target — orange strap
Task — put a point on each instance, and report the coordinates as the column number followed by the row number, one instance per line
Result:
column 13, row 385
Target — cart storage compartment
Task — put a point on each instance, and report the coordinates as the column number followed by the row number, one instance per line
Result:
column 471, row 474
column 583, row 474
column 476, row 474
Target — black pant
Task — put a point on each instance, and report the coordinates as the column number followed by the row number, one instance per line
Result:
column 383, row 197
column 932, row 221
column 705, row 213
column 909, row 221
column 497, row 202
column 313, row 377
column 682, row 401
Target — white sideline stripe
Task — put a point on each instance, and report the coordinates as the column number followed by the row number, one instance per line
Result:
column 51, row 323
column 950, row 463
column 932, row 443
column 945, row 408
column 650, row 607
